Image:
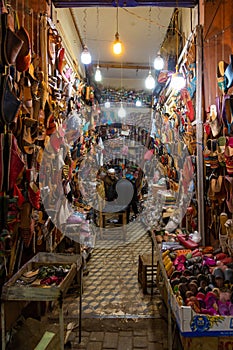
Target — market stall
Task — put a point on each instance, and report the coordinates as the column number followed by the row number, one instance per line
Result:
column 46, row 277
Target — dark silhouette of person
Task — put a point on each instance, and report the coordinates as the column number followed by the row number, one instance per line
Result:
column 110, row 181
column 125, row 191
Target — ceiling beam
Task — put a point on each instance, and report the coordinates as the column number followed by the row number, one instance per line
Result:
column 121, row 65
column 123, row 3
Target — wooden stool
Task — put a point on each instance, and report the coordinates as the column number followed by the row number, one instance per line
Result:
column 103, row 216
column 145, row 271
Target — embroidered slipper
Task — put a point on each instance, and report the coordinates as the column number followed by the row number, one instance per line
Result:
column 27, row 224
column 221, row 80
column 222, row 220
column 222, row 65
column 221, row 144
column 218, row 277
column 229, row 74
column 223, row 237
column 223, row 308
column 228, row 114
column 228, row 274
column 214, row 122
column 229, row 190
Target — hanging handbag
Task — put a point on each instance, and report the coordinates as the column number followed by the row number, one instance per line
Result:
column 12, row 43
column 10, row 103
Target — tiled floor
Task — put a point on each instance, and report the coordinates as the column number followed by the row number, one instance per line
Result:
column 115, row 312
column 111, row 288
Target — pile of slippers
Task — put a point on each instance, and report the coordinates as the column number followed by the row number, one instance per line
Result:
column 203, row 281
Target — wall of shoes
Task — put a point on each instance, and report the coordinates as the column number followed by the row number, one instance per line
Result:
column 43, row 101
column 171, row 167
column 217, row 126
column 217, row 154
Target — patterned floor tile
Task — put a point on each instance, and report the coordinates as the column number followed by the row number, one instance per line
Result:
column 111, row 288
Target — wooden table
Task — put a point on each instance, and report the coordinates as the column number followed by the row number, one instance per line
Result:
column 103, row 216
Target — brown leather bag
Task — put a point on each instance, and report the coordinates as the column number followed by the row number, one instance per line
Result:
column 10, row 103
column 12, row 42
column 23, row 59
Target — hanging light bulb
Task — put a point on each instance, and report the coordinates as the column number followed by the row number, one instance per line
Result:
column 107, row 104
column 138, row 102
column 158, row 62
column 117, row 44
column 98, row 75
column 85, row 56
column 150, row 81
column 177, row 80
column 121, row 111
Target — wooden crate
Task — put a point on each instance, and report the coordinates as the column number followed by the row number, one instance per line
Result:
column 145, row 271
column 58, row 258
column 14, row 291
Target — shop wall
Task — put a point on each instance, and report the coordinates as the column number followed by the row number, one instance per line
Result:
column 218, row 43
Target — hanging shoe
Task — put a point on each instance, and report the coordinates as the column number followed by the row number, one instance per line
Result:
column 221, row 79
column 228, row 74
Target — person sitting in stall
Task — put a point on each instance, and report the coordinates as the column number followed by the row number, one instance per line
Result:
column 110, row 181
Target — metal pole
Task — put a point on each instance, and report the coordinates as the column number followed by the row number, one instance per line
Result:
column 61, row 321
column 3, row 325
column 80, row 303
column 152, row 266
column 199, row 136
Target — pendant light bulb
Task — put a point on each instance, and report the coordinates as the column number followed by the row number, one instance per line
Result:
column 158, row 62
column 98, row 75
column 177, row 81
column 150, row 82
column 117, row 45
column 85, row 56
column 121, row 112
column 107, row 104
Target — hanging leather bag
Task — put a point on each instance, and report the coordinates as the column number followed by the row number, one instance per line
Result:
column 10, row 103
column 12, row 43
column 23, row 59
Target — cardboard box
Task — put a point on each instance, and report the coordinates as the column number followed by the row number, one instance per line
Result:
column 204, row 343
column 192, row 325
column 207, row 343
